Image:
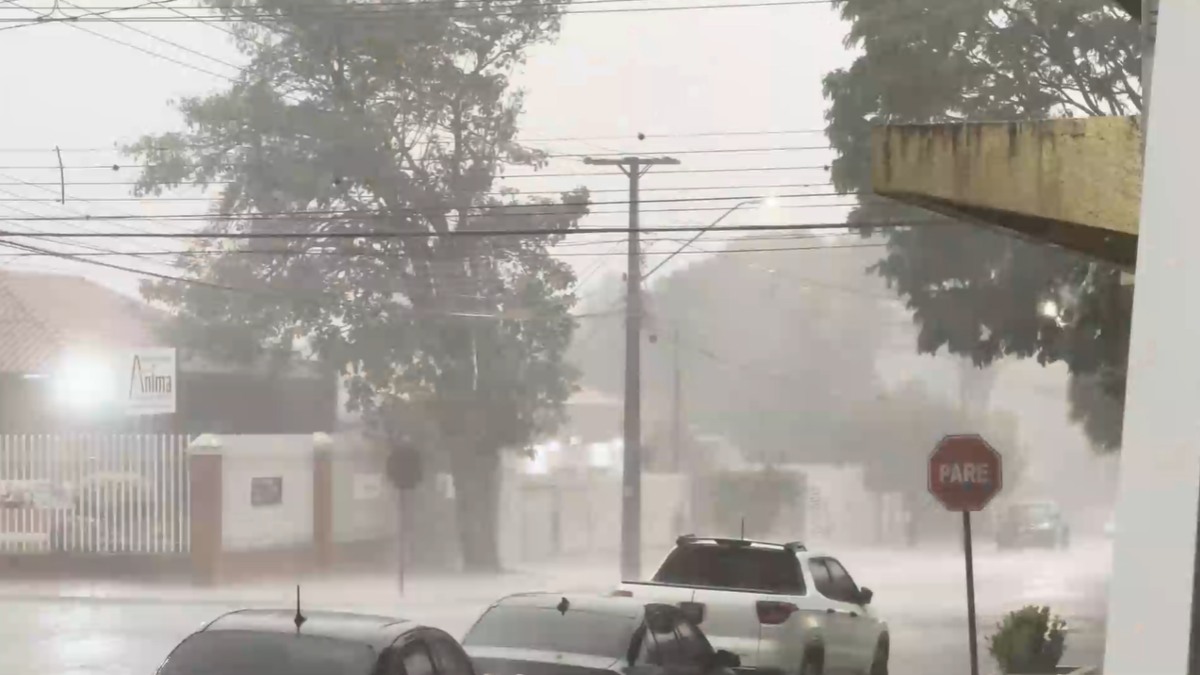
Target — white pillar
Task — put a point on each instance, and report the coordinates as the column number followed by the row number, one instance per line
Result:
column 1150, row 595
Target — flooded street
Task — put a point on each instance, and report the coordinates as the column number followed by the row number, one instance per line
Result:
column 920, row 594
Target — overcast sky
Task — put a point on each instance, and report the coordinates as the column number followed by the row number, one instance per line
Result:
column 609, row 76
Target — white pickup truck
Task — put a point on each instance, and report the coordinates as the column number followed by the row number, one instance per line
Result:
column 782, row 609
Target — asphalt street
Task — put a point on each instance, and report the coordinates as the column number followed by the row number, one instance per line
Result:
column 920, row 594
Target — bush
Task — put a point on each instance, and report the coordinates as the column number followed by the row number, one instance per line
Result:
column 1029, row 641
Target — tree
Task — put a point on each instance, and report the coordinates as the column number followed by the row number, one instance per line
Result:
column 363, row 142
column 774, row 348
column 893, row 435
column 973, row 291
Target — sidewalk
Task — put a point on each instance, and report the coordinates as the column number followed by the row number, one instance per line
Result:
column 334, row 590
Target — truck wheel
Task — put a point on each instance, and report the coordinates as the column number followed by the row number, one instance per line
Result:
column 879, row 664
column 813, row 663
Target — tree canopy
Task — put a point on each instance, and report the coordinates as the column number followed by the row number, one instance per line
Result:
column 355, row 162
column 973, row 291
column 774, row 349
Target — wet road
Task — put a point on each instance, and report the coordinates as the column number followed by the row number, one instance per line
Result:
column 921, row 596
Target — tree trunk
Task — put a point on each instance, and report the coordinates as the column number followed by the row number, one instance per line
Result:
column 476, row 501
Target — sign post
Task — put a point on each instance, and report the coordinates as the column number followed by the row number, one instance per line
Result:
column 965, row 472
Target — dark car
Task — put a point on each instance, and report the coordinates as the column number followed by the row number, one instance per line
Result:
column 1033, row 524
column 547, row 634
column 273, row 642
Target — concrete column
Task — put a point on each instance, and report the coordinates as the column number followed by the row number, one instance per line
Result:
column 323, row 501
column 1151, row 592
column 205, row 481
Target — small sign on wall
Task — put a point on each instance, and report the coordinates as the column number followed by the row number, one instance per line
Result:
column 368, row 486
column 152, row 382
column 266, row 491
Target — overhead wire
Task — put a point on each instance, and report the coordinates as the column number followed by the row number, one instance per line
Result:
column 506, row 232
column 457, row 11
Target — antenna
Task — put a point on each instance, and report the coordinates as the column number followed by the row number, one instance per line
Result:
column 743, row 527
column 300, row 618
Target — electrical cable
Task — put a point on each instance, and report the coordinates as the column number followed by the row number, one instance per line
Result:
column 509, row 232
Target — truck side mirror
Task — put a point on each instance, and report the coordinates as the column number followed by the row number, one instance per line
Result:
column 865, row 595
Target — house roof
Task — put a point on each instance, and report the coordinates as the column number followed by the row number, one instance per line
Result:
column 43, row 315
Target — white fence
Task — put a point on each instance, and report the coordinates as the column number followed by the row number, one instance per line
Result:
column 94, row 494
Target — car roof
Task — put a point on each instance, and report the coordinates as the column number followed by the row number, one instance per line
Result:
column 369, row 629
column 597, row 604
column 796, row 547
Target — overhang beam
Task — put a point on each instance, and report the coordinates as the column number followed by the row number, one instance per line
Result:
column 1074, row 183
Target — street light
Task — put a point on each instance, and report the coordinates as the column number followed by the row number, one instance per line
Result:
column 706, row 228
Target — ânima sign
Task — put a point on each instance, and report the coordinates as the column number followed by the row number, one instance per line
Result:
column 152, row 382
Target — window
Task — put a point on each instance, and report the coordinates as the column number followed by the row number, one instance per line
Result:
column 744, row 568
column 694, row 647
column 843, row 585
column 231, row 652
column 576, row 631
column 416, row 661
column 821, row 578
column 449, row 658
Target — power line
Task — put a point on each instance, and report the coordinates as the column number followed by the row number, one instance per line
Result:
column 577, row 155
column 499, row 177
column 384, row 254
column 97, row 14
column 166, row 41
column 535, row 139
column 485, row 234
column 459, row 11
column 523, row 193
column 481, row 209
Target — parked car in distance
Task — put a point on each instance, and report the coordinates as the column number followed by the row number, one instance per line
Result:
column 547, row 634
column 1027, row 524
column 781, row 608
column 277, row 642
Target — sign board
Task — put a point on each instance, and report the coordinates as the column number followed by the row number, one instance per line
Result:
column 965, row 472
column 266, row 491
column 368, row 486
column 151, row 382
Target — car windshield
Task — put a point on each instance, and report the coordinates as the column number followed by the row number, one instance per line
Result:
column 745, row 568
column 575, row 631
column 251, row 653
column 1033, row 512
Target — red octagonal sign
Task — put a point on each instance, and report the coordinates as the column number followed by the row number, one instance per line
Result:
column 965, row 472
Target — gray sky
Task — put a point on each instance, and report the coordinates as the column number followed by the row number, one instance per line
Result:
column 609, row 75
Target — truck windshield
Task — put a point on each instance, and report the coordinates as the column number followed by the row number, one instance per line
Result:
column 253, row 653
column 738, row 568
column 574, row 632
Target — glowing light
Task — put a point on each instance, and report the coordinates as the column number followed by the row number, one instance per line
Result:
column 1049, row 309
column 84, row 383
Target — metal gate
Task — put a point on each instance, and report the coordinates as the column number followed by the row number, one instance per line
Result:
column 94, row 494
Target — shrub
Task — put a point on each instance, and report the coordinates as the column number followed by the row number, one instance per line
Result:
column 1029, row 641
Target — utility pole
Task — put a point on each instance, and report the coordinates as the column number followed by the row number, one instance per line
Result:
column 676, row 400
column 631, row 473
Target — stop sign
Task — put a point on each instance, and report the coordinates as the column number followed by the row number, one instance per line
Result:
column 965, row 472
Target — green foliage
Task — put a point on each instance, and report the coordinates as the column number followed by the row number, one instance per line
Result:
column 973, row 291
column 1028, row 641
column 355, row 121
column 758, row 497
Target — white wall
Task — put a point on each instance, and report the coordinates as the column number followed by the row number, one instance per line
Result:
column 283, row 525
column 364, row 502
column 587, row 507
